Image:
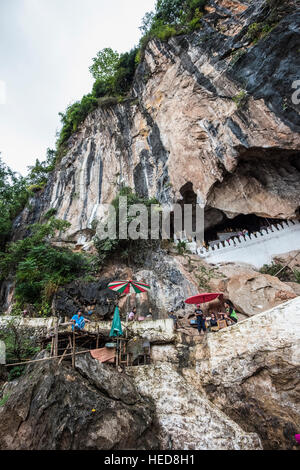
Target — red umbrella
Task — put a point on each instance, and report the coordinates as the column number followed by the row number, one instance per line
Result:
column 202, row 298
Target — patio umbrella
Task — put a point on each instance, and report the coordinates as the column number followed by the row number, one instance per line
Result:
column 116, row 327
column 128, row 287
column 202, row 298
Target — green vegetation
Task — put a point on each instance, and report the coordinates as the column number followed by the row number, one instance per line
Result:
column 105, row 65
column 126, row 249
column 39, row 173
column 39, row 268
column 205, row 275
column 19, row 347
column 15, row 191
column 240, row 99
column 276, row 10
column 236, row 55
column 258, row 31
column 181, row 247
column 4, row 399
column 114, row 72
column 13, row 198
column 284, row 273
column 171, row 18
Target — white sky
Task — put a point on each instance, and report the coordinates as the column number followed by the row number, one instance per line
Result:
column 46, row 48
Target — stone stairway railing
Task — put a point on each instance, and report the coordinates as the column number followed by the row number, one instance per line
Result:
column 156, row 331
column 256, row 248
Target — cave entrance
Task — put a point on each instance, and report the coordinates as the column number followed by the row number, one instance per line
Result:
column 240, row 225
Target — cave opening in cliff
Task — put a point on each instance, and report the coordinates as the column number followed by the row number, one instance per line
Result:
column 249, row 223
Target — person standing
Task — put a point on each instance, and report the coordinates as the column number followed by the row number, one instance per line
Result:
column 200, row 320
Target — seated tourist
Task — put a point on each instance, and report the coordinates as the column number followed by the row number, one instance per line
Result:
column 132, row 314
column 231, row 313
column 79, row 321
column 213, row 320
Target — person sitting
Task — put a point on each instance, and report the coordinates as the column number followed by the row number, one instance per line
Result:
column 231, row 313
column 213, row 320
column 200, row 320
column 132, row 314
column 79, row 321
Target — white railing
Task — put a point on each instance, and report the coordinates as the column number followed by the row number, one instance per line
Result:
column 256, row 248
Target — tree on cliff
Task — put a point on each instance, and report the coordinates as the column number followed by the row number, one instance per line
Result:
column 105, row 64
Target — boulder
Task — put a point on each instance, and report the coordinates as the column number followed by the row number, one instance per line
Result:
column 81, row 295
column 55, row 407
column 250, row 291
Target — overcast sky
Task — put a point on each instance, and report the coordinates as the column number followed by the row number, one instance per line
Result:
column 46, row 47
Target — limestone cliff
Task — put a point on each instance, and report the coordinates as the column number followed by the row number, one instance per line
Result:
column 210, row 119
column 211, row 115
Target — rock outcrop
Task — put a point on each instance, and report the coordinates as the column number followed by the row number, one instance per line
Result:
column 187, row 420
column 210, row 120
column 250, row 291
column 90, row 408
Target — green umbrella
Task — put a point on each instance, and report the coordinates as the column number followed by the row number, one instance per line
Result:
column 116, row 328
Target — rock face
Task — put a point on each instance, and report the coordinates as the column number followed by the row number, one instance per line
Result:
column 251, row 371
column 55, row 410
column 187, row 420
column 77, row 295
column 213, row 114
column 170, row 284
column 211, row 119
column 250, row 291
